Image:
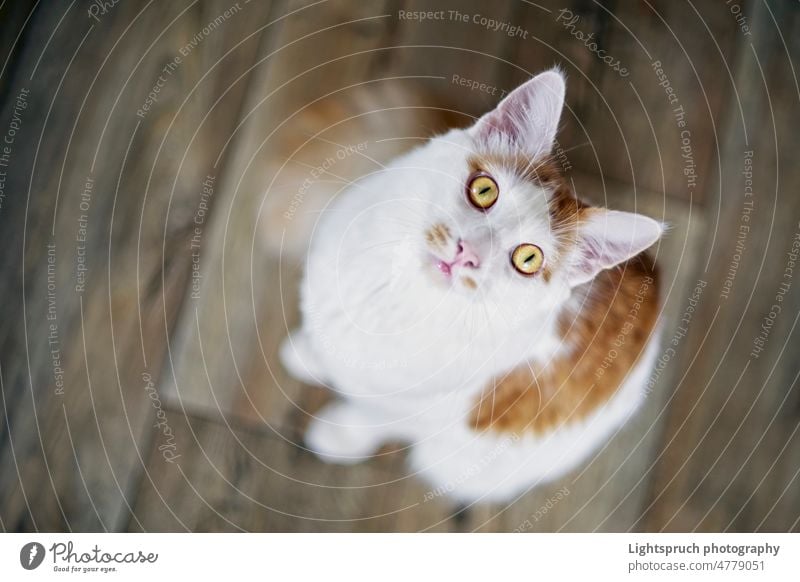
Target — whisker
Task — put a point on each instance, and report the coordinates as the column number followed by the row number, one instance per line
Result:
column 380, row 245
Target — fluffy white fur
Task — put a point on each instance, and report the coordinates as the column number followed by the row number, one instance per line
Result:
column 408, row 351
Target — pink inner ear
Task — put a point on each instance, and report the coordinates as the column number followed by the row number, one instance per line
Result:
column 505, row 120
column 609, row 237
column 612, row 253
column 587, row 261
column 528, row 117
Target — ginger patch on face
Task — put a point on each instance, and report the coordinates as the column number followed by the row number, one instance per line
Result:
column 438, row 235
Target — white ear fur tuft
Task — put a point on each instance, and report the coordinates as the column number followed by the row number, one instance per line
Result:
column 528, row 116
column 608, row 238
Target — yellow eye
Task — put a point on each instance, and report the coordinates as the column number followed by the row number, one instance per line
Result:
column 482, row 191
column 527, row 258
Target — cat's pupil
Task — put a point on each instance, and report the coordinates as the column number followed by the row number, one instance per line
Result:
column 485, row 190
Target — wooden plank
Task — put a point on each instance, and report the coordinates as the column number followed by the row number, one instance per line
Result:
column 307, row 58
column 621, row 124
column 732, row 454
column 14, row 17
column 70, row 458
column 229, row 479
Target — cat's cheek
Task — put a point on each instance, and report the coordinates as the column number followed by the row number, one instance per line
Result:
column 561, row 289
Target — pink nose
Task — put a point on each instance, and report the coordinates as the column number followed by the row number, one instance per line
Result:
column 466, row 256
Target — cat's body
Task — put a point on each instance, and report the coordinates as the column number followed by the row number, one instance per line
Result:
column 457, row 300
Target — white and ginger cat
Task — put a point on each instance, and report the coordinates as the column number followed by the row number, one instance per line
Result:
column 463, row 300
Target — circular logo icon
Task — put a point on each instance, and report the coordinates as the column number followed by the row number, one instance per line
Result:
column 31, row 555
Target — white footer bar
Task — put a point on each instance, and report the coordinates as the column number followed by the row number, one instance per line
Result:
column 402, row 557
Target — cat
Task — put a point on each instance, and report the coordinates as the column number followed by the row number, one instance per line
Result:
column 463, row 300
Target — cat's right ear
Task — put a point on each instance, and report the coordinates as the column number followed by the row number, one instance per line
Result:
column 527, row 118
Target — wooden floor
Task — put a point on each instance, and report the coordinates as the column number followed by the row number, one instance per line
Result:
column 141, row 315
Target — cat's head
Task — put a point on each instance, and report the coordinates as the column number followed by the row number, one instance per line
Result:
column 493, row 218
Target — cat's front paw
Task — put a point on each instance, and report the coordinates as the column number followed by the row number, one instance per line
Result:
column 339, row 435
column 299, row 359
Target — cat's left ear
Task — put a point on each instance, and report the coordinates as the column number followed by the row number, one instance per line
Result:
column 528, row 116
column 606, row 238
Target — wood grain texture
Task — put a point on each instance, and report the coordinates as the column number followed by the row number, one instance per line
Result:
column 75, row 456
column 624, row 127
column 229, row 479
column 730, row 460
column 13, row 28
column 313, row 50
